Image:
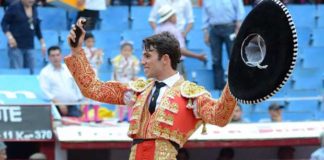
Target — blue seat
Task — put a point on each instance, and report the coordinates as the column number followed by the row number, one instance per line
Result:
column 20, row 71
column 196, row 39
column 313, row 57
column 307, row 79
column 114, row 18
column 50, row 37
column 303, row 36
column 318, row 37
column 320, row 14
column 298, row 116
column 4, row 61
column 107, row 39
column 3, row 41
column 257, row 116
column 304, row 105
column 140, row 16
column 136, row 36
column 203, row 77
column 52, row 18
column 302, row 15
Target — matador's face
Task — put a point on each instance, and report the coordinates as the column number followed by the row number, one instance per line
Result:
column 153, row 65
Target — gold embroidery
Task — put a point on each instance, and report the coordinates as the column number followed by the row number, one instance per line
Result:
column 165, row 118
column 132, row 155
column 192, row 90
column 216, row 112
column 139, row 85
column 133, row 128
column 167, row 105
column 173, row 135
column 164, row 150
column 108, row 92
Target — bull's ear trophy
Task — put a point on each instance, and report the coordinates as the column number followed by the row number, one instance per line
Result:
column 264, row 53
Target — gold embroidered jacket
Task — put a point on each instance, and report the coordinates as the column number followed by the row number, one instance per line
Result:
column 183, row 107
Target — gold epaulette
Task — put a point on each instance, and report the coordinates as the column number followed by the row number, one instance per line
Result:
column 192, row 90
column 139, row 85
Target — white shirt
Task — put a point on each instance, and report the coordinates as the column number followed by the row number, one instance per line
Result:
column 183, row 9
column 169, row 83
column 95, row 5
column 59, row 84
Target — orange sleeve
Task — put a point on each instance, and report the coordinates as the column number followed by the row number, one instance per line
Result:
column 108, row 92
column 217, row 112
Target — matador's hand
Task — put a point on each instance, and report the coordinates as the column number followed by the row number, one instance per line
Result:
column 76, row 36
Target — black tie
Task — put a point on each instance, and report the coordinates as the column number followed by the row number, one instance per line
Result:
column 158, row 86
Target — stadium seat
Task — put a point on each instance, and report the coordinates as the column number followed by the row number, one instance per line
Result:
column 320, row 14
column 52, row 18
column 107, row 39
column 298, row 116
column 307, row 79
column 136, row 36
column 196, row 39
column 3, row 41
column 313, row 57
column 318, row 37
column 202, row 77
column 302, row 15
column 114, row 18
column 304, row 105
column 20, row 71
column 50, row 37
column 303, row 36
column 4, row 61
column 140, row 16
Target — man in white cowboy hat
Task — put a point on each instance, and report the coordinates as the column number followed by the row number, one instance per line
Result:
column 167, row 23
column 183, row 9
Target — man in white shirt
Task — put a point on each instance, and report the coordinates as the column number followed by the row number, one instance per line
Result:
column 183, row 8
column 58, row 84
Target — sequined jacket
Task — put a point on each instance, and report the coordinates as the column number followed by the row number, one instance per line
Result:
column 183, row 107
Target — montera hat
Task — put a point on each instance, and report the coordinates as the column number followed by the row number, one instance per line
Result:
column 165, row 12
column 264, row 53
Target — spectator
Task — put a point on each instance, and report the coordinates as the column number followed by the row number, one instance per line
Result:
column 91, row 12
column 126, row 68
column 183, row 8
column 167, row 23
column 275, row 113
column 237, row 115
column 3, row 153
column 38, row 156
column 319, row 153
column 20, row 24
column 221, row 22
column 93, row 54
column 183, row 154
column 226, row 154
column 58, row 85
column 286, row 153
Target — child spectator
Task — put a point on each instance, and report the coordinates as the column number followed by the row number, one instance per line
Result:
column 126, row 67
